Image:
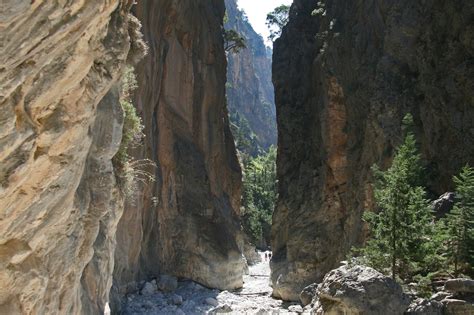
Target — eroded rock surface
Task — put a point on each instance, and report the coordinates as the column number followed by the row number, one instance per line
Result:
column 250, row 93
column 359, row 290
column 60, row 126
column 185, row 224
column 345, row 73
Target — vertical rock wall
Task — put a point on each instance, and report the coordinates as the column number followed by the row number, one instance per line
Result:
column 249, row 89
column 345, row 73
column 187, row 222
column 60, row 125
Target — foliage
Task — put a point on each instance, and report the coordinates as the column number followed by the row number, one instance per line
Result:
column 259, row 193
column 459, row 223
column 233, row 41
column 132, row 124
column 402, row 230
column 246, row 140
column 276, row 20
column 130, row 171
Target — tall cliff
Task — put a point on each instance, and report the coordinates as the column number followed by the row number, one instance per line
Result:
column 250, row 94
column 60, row 126
column 345, row 73
column 186, row 223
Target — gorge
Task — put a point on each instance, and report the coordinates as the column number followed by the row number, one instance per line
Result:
column 74, row 240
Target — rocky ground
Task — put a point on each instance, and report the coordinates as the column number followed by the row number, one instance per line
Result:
column 192, row 298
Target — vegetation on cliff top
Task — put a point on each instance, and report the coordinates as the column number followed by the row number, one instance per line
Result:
column 276, row 20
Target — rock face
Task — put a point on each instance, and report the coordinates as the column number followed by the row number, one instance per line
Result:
column 345, row 73
column 185, row 224
column 250, row 94
column 359, row 290
column 60, row 126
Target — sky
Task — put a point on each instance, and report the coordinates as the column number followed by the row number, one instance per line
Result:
column 257, row 13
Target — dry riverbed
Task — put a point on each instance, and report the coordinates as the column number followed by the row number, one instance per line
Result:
column 192, row 298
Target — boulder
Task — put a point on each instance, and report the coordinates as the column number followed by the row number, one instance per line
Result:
column 148, row 289
column 359, row 290
column 251, row 254
column 458, row 307
column 438, row 296
column 425, row 307
column 226, row 308
column 167, row 283
column 308, row 293
column 443, row 204
column 177, row 299
column 295, row 309
column 459, row 286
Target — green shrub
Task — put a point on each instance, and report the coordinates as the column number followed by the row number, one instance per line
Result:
column 130, row 172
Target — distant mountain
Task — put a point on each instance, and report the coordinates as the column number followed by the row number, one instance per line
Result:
column 250, row 93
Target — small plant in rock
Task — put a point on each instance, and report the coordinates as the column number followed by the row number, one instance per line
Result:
column 130, row 172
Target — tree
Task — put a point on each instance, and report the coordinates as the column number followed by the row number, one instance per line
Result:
column 460, row 221
column 402, row 228
column 276, row 20
column 233, row 41
column 258, row 198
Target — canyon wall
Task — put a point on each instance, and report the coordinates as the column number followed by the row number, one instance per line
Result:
column 345, row 73
column 186, row 223
column 250, row 94
column 60, row 126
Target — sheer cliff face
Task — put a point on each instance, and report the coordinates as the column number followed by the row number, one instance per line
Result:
column 249, row 88
column 345, row 73
column 60, row 125
column 187, row 222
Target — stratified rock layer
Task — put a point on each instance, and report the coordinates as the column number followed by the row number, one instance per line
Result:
column 187, row 222
column 59, row 205
column 345, row 73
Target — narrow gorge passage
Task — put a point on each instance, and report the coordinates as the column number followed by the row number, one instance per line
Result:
column 148, row 148
column 191, row 298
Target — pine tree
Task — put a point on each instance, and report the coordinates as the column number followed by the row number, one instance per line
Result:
column 402, row 227
column 460, row 222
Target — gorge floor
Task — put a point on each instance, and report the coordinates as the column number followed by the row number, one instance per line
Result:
column 192, row 298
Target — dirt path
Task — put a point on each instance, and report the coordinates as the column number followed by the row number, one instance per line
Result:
column 192, row 298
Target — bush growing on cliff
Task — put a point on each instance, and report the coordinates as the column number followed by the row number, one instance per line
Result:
column 233, row 41
column 130, row 171
column 276, row 20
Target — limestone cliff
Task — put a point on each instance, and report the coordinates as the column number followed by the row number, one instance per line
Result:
column 345, row 73
column 60, row 125
column 250, row 94
column 187, row 222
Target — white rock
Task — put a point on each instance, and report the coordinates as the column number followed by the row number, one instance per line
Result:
column 212, row 301
column 222, row 309
column 295, row 308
